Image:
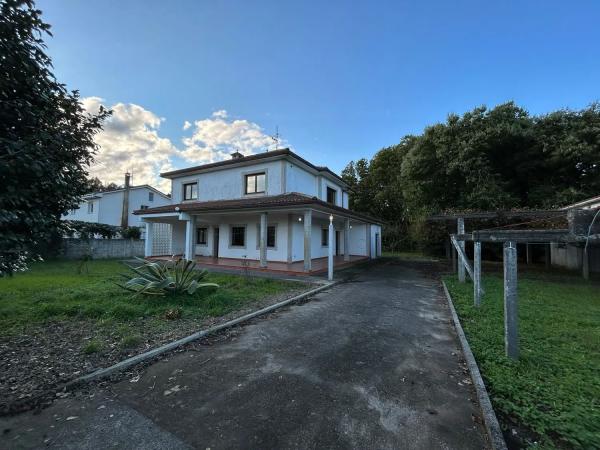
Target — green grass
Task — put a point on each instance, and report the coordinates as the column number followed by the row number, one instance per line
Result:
column 408, row 255
column 54, row 291
column 554, row 388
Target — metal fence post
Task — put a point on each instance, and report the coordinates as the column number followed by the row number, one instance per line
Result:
column 511, row 306
column 460, row 226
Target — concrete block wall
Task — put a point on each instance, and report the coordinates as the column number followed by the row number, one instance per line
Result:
column 103, row 248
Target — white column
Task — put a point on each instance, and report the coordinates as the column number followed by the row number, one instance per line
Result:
column 330, row 241
column 307, row 240
column 189, row 238
column 290, row 238
column 477, row 272
column 347, row 240
column 263, row 239
column 511, row 302
column 149, row 239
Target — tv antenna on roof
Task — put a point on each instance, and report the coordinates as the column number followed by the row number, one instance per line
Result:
column 276, row 138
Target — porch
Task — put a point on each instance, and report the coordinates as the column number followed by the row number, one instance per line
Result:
column 318, row 265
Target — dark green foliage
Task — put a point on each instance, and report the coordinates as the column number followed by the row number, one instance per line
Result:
column 486, row 159
column 89, row 230
column 46, row 138
column 554, row 388
column 131, row 233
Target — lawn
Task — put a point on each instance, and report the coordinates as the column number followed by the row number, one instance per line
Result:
column 57, row 324
column 554, row 389
column 55, row 291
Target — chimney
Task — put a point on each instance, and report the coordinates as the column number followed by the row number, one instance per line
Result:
column 236, row 155
column 125, row 210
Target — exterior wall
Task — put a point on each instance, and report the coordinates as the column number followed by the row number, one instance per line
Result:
column 300, row 180
column 82, row 214
column 228, row 184
column 103, row 248
column 111, row 205
column 358, row 240
column 137, row 198
column 571, row 257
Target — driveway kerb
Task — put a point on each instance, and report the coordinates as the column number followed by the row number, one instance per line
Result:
column 142, row 357
column 490, row 420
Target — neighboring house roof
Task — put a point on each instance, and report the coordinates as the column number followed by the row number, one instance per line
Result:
column 583, row 203
column 99, row 194
column 275, row 154
column 271, row 201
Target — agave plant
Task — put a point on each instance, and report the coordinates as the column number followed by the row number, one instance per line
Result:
column 166, row 278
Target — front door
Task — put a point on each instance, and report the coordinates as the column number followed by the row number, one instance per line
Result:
column 216, row 242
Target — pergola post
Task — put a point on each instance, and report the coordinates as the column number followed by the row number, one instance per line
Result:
column 307, row 240
column 330, row 241
column 347, row 240
column 460, row 227
column 585, row 266
column 477, row 273
column 511, row 305
column 263, row 239
column 149, row 239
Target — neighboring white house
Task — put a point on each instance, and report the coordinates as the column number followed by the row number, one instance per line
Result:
column 273, row 207
column 116, row 207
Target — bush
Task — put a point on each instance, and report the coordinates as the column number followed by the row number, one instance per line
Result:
column 162, row 278
column 131, row 233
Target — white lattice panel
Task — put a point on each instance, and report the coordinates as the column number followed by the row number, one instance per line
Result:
column 161, row 244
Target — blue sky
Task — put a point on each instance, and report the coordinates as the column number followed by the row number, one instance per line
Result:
column 340, row 79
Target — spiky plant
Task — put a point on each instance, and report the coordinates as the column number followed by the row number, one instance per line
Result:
column 166, row 278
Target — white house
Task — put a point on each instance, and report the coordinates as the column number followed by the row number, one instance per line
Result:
column 271, row 210
column 117, row 207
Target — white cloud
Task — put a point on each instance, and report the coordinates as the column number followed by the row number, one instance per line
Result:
column 215, row 138
column 130, row 141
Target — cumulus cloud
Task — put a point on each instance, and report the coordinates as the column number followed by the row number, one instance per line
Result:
column 130, row 141
column 213, row 139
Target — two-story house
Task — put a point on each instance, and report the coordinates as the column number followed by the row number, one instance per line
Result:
column 269, row 210
column 117, row 207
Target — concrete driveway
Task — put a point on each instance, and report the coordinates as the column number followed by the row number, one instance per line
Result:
column 372, row 363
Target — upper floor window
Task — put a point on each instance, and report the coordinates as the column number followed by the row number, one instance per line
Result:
column 255, row 183
column 202, row 236
column 331, row 196
column 90, row 207
column 190, row 191
column 150, row 196
column 143, row 206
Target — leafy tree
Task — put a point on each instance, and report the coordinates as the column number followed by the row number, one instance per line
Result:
column 95, row 185
column 46, row 138
column 486, row 159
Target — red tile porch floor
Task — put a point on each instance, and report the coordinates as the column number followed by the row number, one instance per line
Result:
column 319, row 265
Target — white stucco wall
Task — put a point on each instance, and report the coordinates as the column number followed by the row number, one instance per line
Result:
column 300, row 180
column 82, row 214
column 228, row 184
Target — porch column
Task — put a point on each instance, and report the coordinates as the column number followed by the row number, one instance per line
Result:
column 263, row 239
column 460, row 229
column 347, row 240
column 330, row 241
column 307, row 239
column 149, row 239
column 190, row 226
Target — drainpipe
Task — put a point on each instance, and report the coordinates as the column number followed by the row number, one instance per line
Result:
column 125, row 210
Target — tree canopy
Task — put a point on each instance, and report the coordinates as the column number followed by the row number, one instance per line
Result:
column 486, row 159
column 46, row 138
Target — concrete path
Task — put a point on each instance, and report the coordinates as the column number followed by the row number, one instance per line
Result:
column 373, row 363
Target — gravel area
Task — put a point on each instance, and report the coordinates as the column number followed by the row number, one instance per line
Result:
column 34, row 367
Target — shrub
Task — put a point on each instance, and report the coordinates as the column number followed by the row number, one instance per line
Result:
column 166, row 278
column 131, row 233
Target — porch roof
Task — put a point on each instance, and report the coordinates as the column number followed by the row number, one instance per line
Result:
column 263, row 202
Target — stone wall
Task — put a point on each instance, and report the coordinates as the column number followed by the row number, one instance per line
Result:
column 103, row 248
